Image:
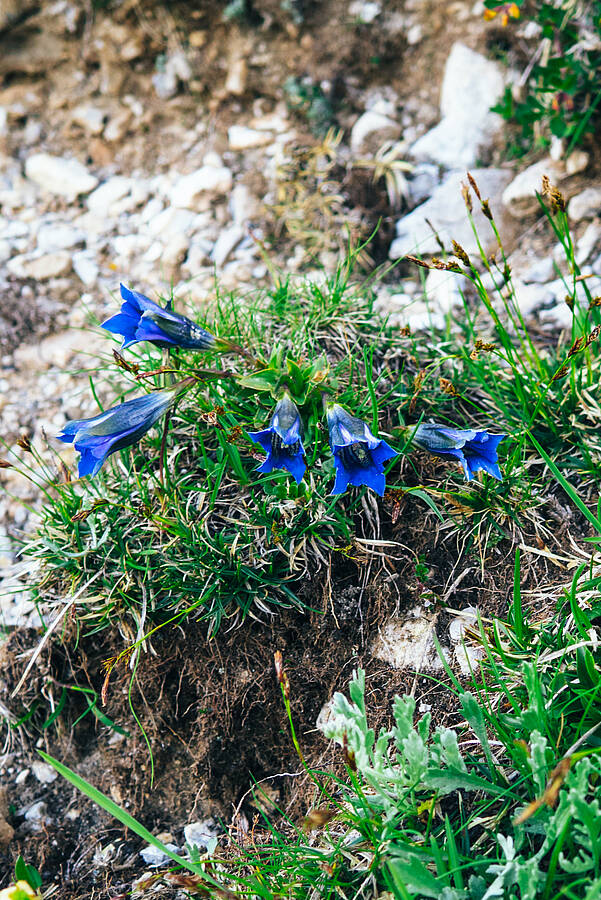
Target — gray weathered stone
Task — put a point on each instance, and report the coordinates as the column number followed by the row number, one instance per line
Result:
column 585, row 205
column 199, row 188
column 470, row 86
column 57, row 175
column 519, row 197
column 446, row 211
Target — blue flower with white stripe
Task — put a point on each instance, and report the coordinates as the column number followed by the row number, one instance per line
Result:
column 141, row 319
column 475, row 450
column 282, row 441
column 359, row 457
column 118, row 427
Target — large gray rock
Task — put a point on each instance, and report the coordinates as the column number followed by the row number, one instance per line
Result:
column 471, row 85
column 519, row 197
column 446, row 211
column 585, row 205
column 57, row 175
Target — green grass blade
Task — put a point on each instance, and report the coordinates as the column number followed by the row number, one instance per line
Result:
column 111, row 807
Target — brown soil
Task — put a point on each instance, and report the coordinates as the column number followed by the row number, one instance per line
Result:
column 212, row 710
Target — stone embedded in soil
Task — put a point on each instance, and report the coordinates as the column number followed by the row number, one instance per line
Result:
column 531, row 297
column 44, row 773
column 241, row 137
column 588, row 243
column 227, row 240
column 40, row 268
column 577, row 162
column 197, row 190
column 365, row 11
column 57, row 350
column 65, row 177
column 422, row 182
column 59, row 236
column 444, row 290
column 200, row 834
column 471, row 85
column 36, row 815
column 519, row 197
column 446, row 211
column 408, row 643
column 86, row 267
column 585, row 205
column 110, row 192
column 371, row 131
column 90, row 118
column 154, row 857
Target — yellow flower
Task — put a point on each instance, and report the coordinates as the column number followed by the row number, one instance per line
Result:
column 489, row 14
column 514, row 11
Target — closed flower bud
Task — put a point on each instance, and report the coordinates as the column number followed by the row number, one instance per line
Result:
column 142, row 319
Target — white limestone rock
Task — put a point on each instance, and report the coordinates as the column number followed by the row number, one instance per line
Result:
column 371, row 130
column 408, row 643
column 57, row 175
column 86, row 267
column 577, row 162
column 444, row 290
column 59, row 236
column 90, row 118
column 110, row 192
column 227, row 240
column 539, row 272
column 585, row 205
column 240, row 137
column 446, row 211
column 44, row 773
column 198, row 189
column 471, row 85
column 154, row 856
column 40, row 268
column 519, row 197
column 200, row 834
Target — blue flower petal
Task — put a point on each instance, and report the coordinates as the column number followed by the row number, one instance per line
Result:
column 296, row 466
column 148, row 330
column 382, row 452
column 342, row 476
column 124, row 325
column 475, row 450
column 359, row 456
column 262, row 437
column 119, row 427
column 139, row 302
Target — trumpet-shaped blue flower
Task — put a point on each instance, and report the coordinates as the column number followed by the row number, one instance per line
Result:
column 114, row 429
column 359, row 457
column 142, row 319
column 475, row 450
column 282, row 441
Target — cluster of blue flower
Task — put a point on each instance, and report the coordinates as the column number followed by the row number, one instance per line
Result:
column 359, row 456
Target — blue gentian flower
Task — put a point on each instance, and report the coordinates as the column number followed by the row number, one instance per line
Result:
column 282, row 441
column 475, row 450
column 142, row 319
column 359, row 457
column 118, row 427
